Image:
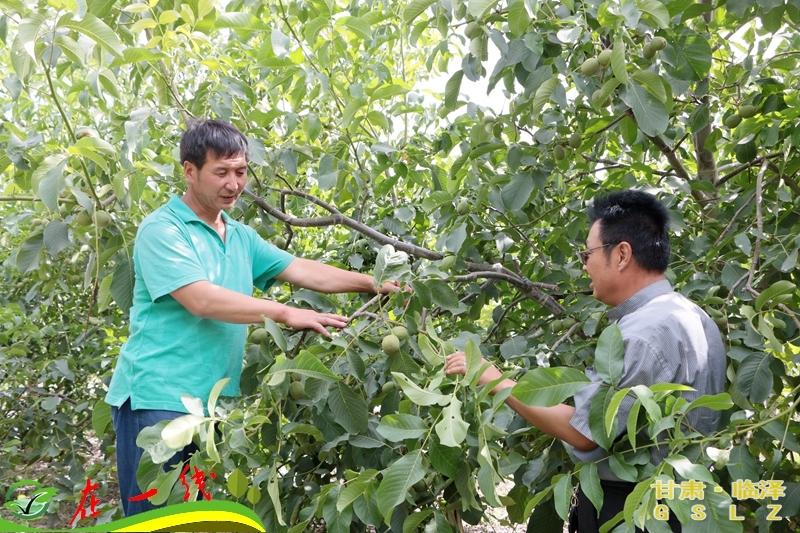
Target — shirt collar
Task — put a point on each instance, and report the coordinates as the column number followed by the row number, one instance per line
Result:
column 640, row 299
column 185, row 213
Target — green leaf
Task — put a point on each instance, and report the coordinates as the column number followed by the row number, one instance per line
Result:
column 305, row 364
column 517, row 192
column 635, row 498
column 56, row 237
column 609, row 355
column 388, row 91
column 772, row 292
column 716, row 402
column 784, row 434
column 431, row 355
column 622, row 469
column 101, row 418
column 237, row 483
column 742, row 465
column 645, row 395
column 754, row 377
column 211, row 444
column 631, row 424
column 446, row 460
column 95, row 29
column 398, row 427
column 652, row 82
column 354, row 489
column 549, row 386
column 178, row 432
column 656, row 10
column 417, row 394
column 28, row 255
column 562, row 495
column 518, row 19
column 213, row 396
column 651, row 115
column 398, row 478
column 542, row 95
column 413, row 521
column 590, row 484
column 276, row 333
column 689, row 56
column 611, row 412
column 163, row 484
column 48, row 179
column 618, row 66
column 122, row 285
column 23, row 49
column 253, row 493
column 477, row 8
column 452, row 89
column 415, row 9
column 359, row 25
column 452, row 430
column 689, row 470
column 349, row 408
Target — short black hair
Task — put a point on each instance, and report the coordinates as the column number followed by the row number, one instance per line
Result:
column 216, row 136
column 637, row 218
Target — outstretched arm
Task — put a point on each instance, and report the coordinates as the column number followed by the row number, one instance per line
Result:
column 325, row 278
column 206, row 300
column 551, row 420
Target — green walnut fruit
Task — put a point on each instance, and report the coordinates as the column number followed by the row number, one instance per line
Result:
column 102, row 219
column 731, row 121
column 599, row 99
column 649, row 50
column 391, row 344
column 747, row 111
column 590, row 67
column 297, row 390
column 400, row 332
column 575, row 140
column 559, row 153
column 604, row 58
column 388, row 387
column 83, row 218
column 448, row 262
column 279, row 241
column 462, row 206
column 472, row 30
column 258, row 335
column 658, row 43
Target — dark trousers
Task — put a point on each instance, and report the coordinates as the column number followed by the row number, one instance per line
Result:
column 583, row 516
column 127, row 425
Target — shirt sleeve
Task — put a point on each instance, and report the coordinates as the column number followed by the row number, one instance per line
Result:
column 268, row 260
column 166, row 259
column 643, row 365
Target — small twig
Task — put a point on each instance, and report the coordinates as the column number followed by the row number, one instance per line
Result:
column 733, row 219
column 362, row 310
column 745, row 166
column 565, row 336
column 508, row 308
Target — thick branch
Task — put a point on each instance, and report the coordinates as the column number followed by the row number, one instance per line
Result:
column 759, row 226
column 673, row 159
column 495, row 271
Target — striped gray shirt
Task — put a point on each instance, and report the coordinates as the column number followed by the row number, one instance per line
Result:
column 668, row 339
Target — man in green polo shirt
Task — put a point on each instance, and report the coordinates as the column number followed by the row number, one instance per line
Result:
column 195, row 269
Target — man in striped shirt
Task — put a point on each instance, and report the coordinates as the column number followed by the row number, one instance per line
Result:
column 667, row 339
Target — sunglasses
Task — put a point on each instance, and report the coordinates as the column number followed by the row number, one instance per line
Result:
column 583, row 255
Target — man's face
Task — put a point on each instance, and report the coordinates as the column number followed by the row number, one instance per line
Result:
column 598, row 266
column 220, row 182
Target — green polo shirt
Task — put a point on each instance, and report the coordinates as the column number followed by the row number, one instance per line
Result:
column 170, row 352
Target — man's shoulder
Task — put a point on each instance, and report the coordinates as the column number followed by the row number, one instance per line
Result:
column 671, row 315
column 162, row 219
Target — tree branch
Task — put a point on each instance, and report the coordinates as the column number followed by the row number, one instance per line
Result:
column 496, row 271
column 759, row 226
column 673, row 159
column 741, row 168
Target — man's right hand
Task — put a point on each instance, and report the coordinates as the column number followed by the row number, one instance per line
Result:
column 308, row 319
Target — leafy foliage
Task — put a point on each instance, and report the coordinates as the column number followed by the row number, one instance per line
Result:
column 366, row 152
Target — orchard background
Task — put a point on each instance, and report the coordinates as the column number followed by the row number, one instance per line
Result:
column 361, row 137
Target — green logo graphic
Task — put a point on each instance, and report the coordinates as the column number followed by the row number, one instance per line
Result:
column 30, row 504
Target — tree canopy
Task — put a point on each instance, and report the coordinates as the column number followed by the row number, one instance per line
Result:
column 366, row 153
